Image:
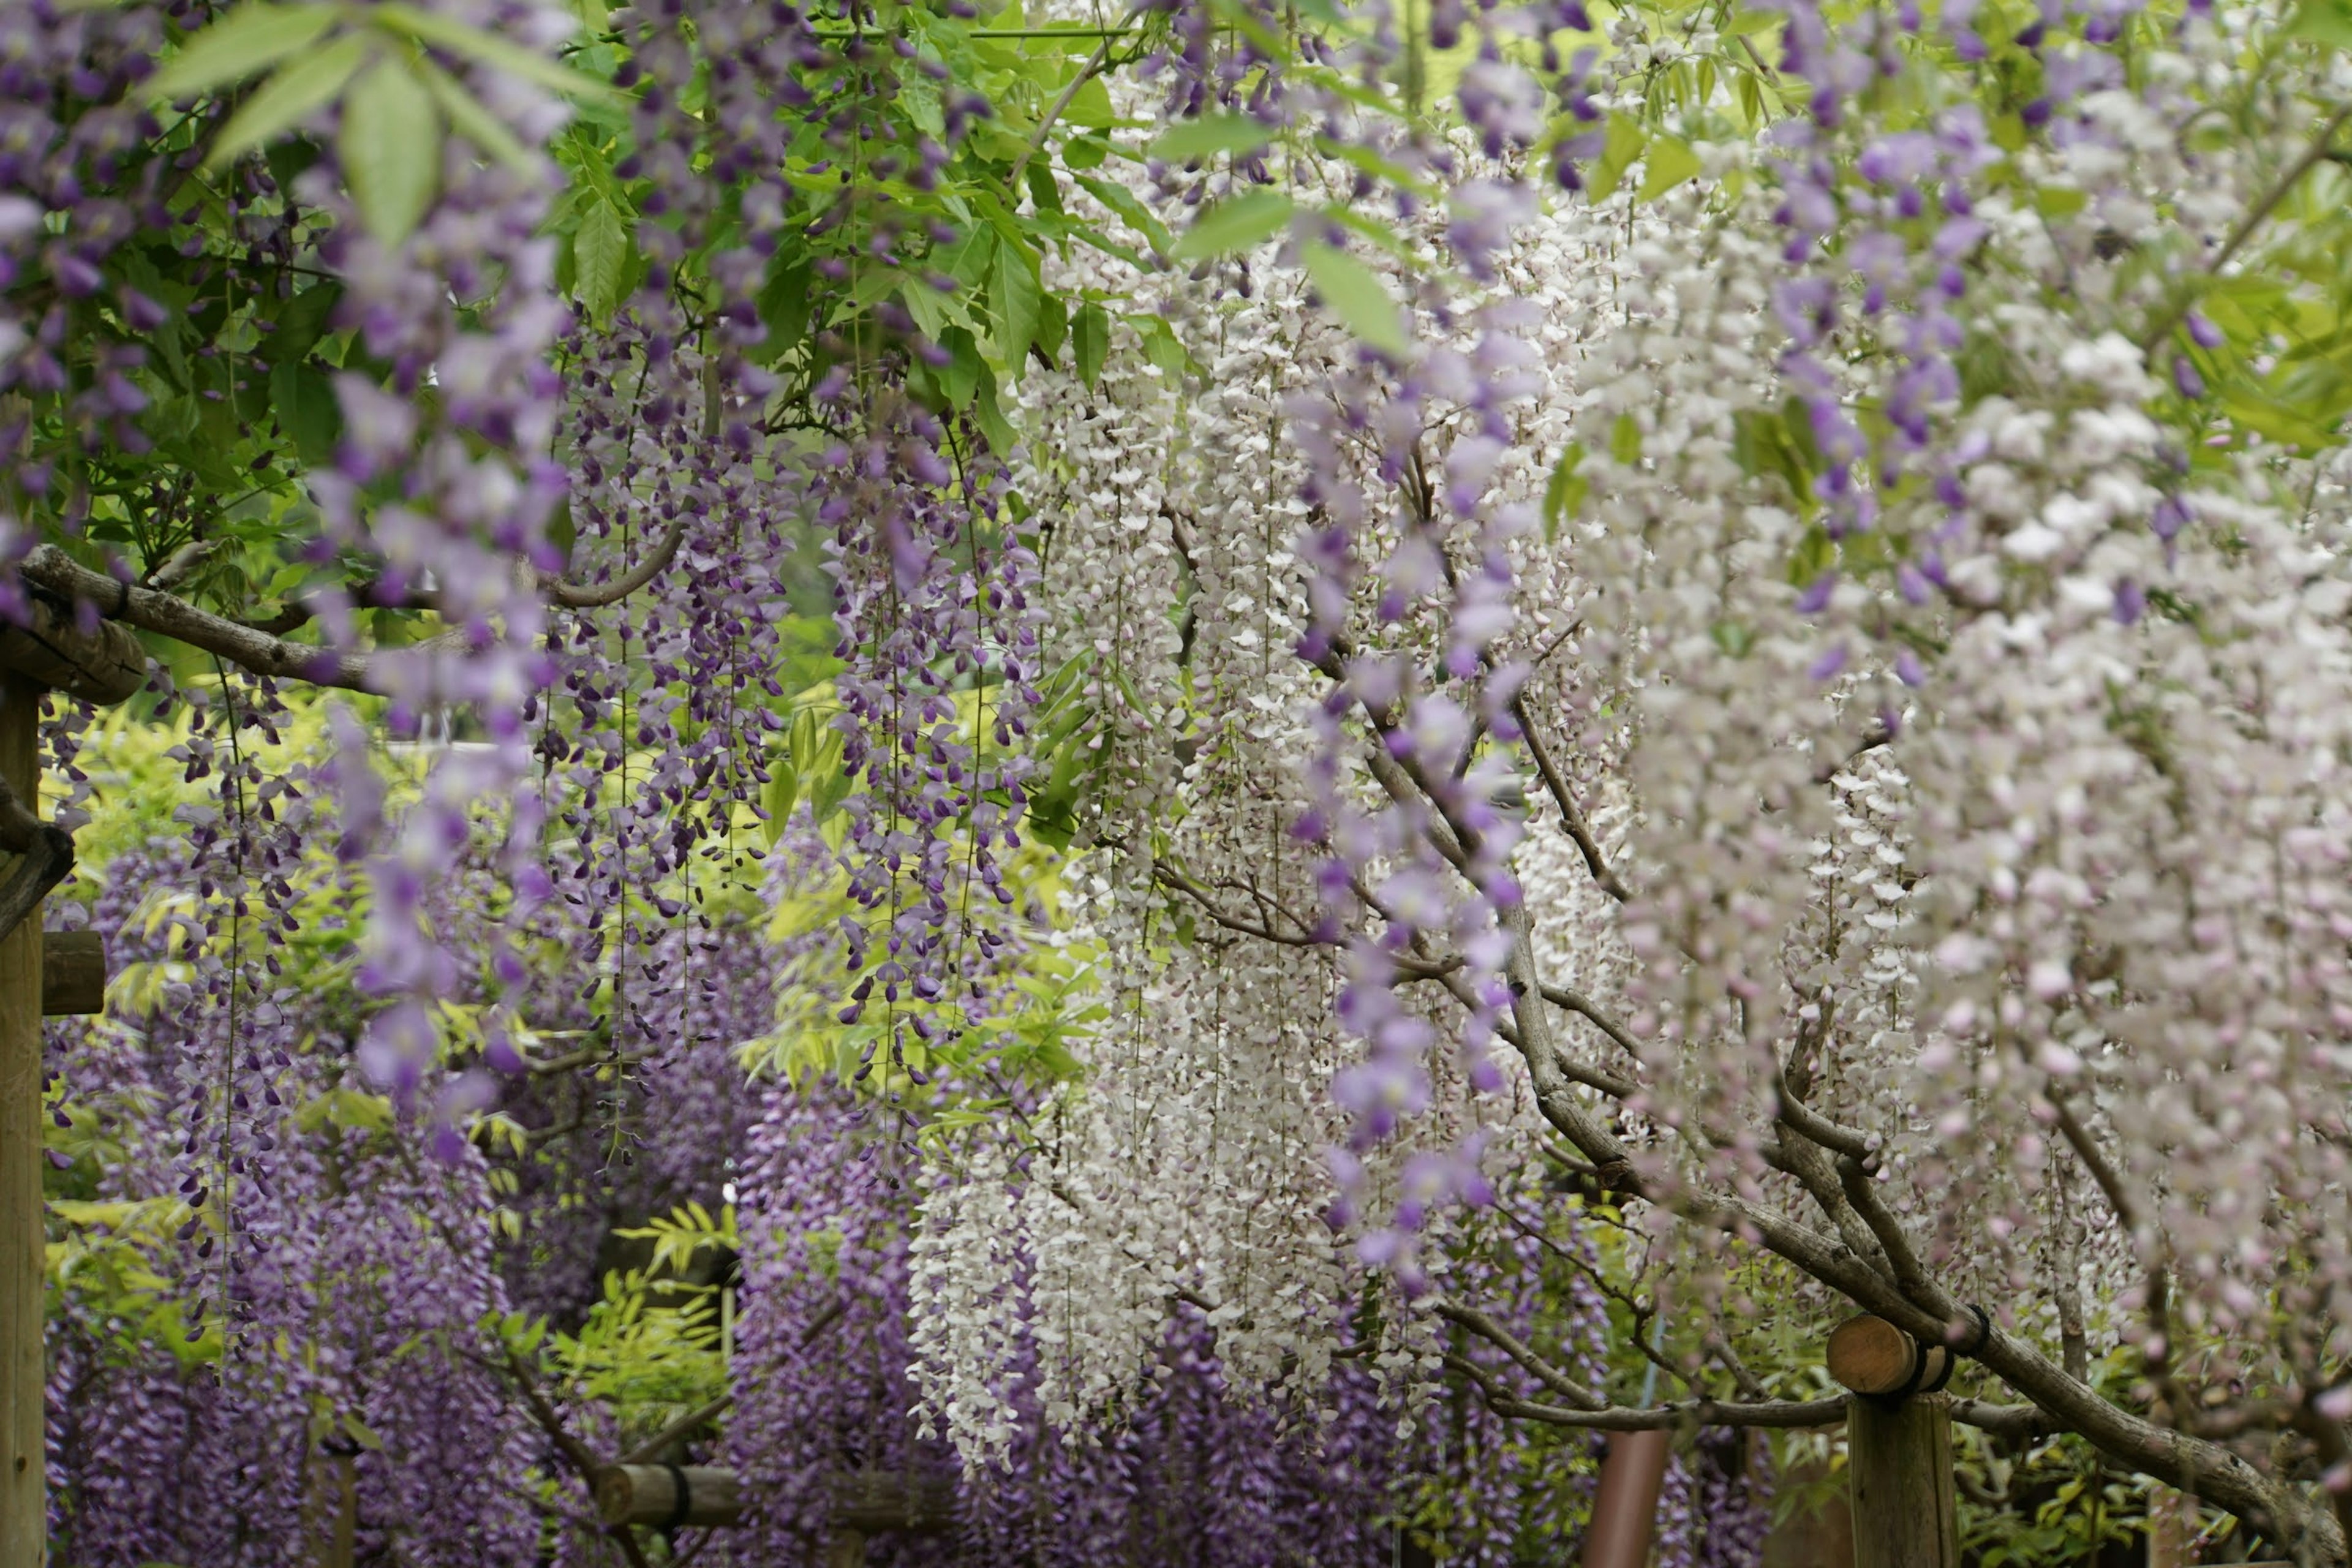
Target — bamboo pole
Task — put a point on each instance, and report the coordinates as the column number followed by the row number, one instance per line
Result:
column 864, row 1502
column 24, row 1523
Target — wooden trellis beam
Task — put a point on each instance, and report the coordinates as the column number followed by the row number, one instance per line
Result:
column 866, row 1501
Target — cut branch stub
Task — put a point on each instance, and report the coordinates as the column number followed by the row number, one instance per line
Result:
column 73, row 972
column 1871, row 1355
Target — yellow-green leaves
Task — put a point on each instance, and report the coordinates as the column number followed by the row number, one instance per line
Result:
column 1017, row 301
column 1626, row 440
column 1356, row 296
column 1090, row 342
column 1565, row 494
column 1668, row 163
column 1620, row 146
column 485, row 47
column 600, row 257
column 390, row 149
column 1209, row 136
column 2325, row 22
column 1235, row 224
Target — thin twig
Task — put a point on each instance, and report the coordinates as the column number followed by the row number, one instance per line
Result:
column 2256, row 215
column 1571, row 815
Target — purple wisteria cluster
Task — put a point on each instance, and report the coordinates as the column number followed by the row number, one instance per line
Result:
column 1184, row 1469
column 77, row 184
column 1882, row 230
column 940, row 647
column 1417, row 687
column 332, row 1367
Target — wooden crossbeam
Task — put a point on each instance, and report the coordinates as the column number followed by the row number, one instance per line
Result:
column 865, row 1503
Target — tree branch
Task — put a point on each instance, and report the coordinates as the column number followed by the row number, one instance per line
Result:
column 581, row 596
column 52, row 569
column 2256, row 215
column 1571, row 817
column 1543, row 1371
column 1776, row 1413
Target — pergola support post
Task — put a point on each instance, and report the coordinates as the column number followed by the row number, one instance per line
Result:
column 1898, row 1439
column 1625, row 1504
column 1899, row 1456
column 24, row 1516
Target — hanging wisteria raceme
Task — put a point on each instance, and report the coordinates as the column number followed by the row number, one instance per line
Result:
column 1184, row 1466
column 1783, row 567
column 325, row 1371
column 77, row 185
column 940, row 651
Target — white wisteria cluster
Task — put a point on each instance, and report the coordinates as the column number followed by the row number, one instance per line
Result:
column 1936, row 821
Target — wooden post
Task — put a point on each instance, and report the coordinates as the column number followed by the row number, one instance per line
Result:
column 1900, row 1459
column 24, row 1521
column 1626, row 1506
column 1898, row 1447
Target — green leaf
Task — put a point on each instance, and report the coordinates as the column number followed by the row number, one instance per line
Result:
column 1234, row 225
column 1625, row 440
column 390, row 149
column 1815, row 554
column 1044, row 189
column 599, row 258
column 1090, row 107
column 1619, row 149
column 1566, row 492
column 1356, row 296
column 960, row 378
column 1129, row 205
column 288, row 99
column 1210, row 135
column 1160, row 345
column 2327, row 22
column 1053, row 327
column 1091, row 333
column 300, row 324
column 248, row 40
column 306, row 411
column 486, row 49
column 1762, row 444
column 1015, row 300
column 928, row 306
column 1002, row 438
column 1670, row 162
column 476, row 124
